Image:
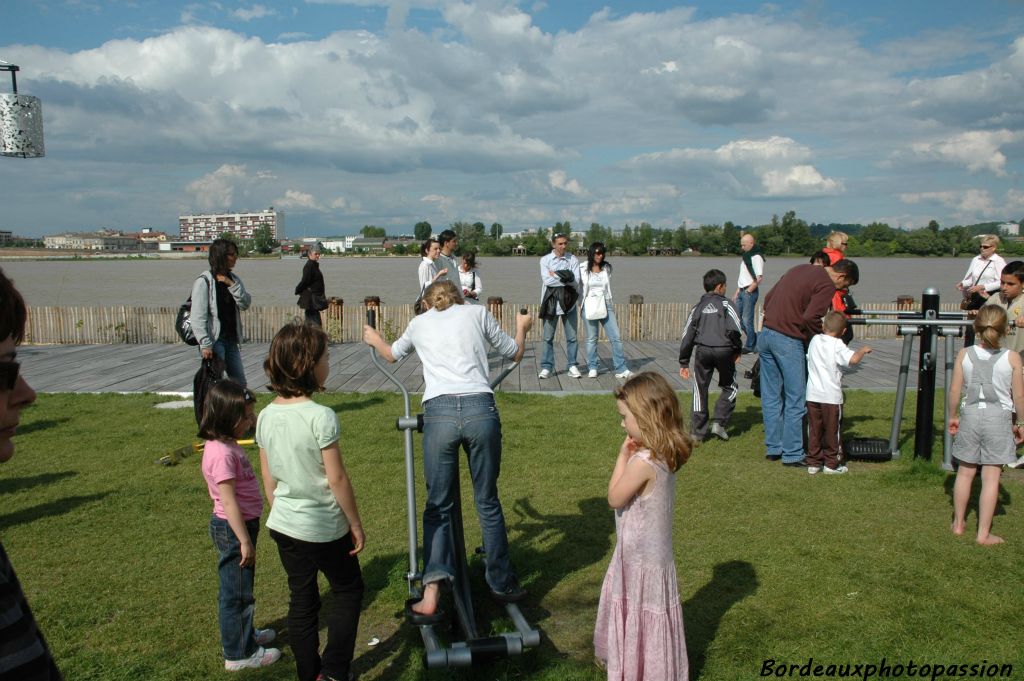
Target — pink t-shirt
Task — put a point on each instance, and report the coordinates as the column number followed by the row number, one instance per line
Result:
column 224, row 461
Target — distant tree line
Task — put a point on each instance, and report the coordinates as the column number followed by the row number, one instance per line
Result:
column 786, row 235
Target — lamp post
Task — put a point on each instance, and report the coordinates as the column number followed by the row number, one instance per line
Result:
column 21, row 121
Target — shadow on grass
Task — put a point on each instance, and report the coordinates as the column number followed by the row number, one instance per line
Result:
column 1003, row 499
column 52, row 508
column 730, row 583
column 42, row 424
column 8, row 485
column 347, row 405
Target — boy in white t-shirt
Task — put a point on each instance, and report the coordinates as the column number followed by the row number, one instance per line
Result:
column 826, row 356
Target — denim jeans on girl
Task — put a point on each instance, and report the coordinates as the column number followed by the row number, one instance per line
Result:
column 236, row 602
column 611, row 330
column 302, row 561
column 451, row 422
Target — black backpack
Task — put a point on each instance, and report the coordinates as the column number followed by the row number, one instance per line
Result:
column 183, row 322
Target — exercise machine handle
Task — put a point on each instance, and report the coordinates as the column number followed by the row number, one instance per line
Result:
column 371, row 318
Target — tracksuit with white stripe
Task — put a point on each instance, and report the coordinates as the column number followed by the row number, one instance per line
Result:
column 712, row 336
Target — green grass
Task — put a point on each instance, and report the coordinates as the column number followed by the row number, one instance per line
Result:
column 114, row 555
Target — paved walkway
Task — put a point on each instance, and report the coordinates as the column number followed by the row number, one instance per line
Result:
column 169, row 368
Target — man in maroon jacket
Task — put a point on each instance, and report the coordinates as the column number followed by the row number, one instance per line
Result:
column 792, row 315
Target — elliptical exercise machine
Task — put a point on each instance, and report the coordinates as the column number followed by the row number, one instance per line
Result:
column 473, row 648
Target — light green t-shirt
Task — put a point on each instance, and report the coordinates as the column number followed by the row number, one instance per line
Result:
column 304, row 507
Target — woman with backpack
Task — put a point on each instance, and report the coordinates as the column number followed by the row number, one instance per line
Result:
column 218, row 298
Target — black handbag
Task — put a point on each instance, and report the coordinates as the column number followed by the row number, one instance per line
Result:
column 210, row 372
column 183, row 323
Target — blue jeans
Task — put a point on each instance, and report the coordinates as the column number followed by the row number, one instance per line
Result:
column 232, row 356
column 302, row 562
column 470, row 421
column 236, row 602
column 783, row 393
column 547, row 360
column 611, row 330
column 746, row 303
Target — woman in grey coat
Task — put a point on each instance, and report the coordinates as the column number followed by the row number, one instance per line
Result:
column 218, row 298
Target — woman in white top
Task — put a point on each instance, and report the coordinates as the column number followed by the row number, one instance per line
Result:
column 428, row 272
column 469, row 277
column 595, row 277
column 982, row 276
column 452, row 341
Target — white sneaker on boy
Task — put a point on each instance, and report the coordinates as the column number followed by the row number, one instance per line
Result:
column 813, row 470
column 838, row 470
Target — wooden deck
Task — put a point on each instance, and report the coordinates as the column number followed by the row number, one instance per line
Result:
column 169, row 368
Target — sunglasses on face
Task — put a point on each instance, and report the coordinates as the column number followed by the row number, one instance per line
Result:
column 9, row 372
column 985, row 248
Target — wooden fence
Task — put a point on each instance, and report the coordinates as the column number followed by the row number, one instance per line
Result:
column 126, row 324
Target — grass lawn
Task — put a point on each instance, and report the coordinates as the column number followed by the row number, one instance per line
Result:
column 114, row 555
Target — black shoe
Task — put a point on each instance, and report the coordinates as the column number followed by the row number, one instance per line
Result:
column 511, row 594
column 773, row 457
column 748, row 351
column 795, row 464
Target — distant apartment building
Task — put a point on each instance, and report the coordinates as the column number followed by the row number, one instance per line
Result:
column 92, row 241
column 5, row 237
column 208, row 227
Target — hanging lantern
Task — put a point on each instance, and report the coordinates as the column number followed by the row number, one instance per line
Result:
column 21, row 121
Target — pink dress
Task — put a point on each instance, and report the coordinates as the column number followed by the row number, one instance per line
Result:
column 639, row 630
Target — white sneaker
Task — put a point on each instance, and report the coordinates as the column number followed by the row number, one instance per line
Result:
column 625, row 374
column 814, row 470
column 718, row 431
column 592, row 373
column 574, row 372
column 838, row 470
column 264, row 636
column 544, row 373
column 261, row 658
column 1019, row 464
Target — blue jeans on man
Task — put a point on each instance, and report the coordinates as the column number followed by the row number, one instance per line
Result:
column 746, row 303
column 469, row 421
column 783, row 394
column 236, row 602
column 611, row 330
column 569, row 321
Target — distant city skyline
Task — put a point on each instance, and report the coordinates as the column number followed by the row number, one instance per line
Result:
column 345, row 113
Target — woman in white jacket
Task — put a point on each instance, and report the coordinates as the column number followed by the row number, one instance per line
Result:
column 596, row 308
column 218, row 298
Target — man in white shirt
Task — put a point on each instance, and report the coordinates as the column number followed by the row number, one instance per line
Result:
column 747, row 283
column 449, row 242
column 558, row 301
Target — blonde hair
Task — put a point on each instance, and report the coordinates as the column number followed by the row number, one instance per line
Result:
column 990, row 325
column 441, row 295
column 990, row 239
column 655, row 406
column 833, row 322
column 835, row 239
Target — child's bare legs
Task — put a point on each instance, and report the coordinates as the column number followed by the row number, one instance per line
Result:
column 428, row 604
column 962, row 494
column 987, row 504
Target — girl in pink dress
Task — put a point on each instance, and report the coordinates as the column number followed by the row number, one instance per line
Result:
column 639, row 630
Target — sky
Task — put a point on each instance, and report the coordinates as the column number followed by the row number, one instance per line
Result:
column 345, row 113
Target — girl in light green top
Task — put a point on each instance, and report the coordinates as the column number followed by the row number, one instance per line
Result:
column 313, row 516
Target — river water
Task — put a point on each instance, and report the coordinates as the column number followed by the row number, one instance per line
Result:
column 166, row 282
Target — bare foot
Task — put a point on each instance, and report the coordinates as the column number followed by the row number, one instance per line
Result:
column 428, row 604
column 957, row 527
column 990, row 540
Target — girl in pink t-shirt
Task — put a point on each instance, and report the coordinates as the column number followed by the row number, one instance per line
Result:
column 237, row 507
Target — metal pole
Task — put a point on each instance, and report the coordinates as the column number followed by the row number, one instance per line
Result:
column 925, row 428
column 947, row 439
column 901, row 392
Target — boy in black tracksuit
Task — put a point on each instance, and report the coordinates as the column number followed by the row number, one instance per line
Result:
column 712, row 335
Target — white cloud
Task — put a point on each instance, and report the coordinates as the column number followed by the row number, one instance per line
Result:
column 216, row 191
column 295, row 199
column 773, row 168
column 968, row 205
column 254, row 12
column 976, row 150
column 559, row 180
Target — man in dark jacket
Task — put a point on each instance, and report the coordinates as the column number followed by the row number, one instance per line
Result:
column 712, row 337
column 792, row 315
column 310, row 290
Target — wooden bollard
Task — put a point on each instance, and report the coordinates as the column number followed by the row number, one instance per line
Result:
column 636, row 317
column 494, row 304
column 335, row 319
